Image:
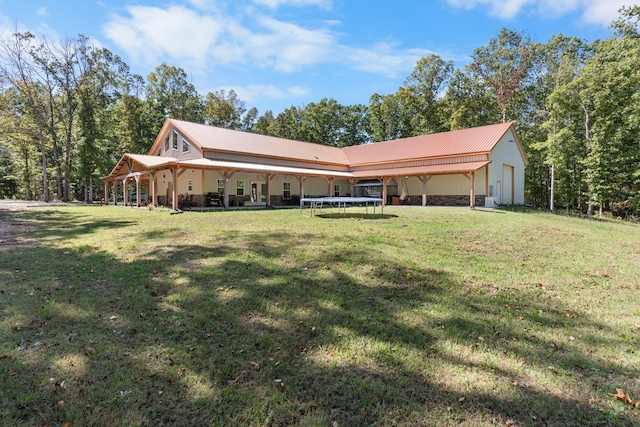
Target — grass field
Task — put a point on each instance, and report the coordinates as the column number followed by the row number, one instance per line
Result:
column 436, row 316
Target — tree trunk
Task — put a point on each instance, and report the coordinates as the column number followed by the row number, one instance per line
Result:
column 45, row 177
column 56, row 150
column 27, row 177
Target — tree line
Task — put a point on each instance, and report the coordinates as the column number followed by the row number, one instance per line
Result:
column 69, row 110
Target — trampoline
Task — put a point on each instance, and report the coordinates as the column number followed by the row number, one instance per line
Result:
column 316, row 203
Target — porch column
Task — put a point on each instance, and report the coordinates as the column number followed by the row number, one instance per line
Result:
column 138, row 195
column 174, row 193
column 115, row 192
column 472, row 196
column 106, row 192
column 125, row 192
column 301, row 180
column 226, row 176
column 330, row 181
column 267, row 179
column 352, row 186
column 152, row 185
column 424, row 180
column 384, row 191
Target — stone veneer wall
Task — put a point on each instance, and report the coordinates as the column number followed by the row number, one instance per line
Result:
column 413, row 200
column 416, row 200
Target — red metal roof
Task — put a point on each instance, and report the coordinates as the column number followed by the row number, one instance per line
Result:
column 466, row 141
column 213, row 138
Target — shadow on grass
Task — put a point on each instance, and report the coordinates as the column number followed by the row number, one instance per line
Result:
column 222, row 335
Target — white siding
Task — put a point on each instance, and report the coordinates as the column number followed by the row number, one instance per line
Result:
column 506, row 152
column 447, row 185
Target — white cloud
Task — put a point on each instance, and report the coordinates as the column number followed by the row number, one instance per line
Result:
column 151, row 33
column 274, row 4
column 501, row 8
column 384, row 58
column 207, row 39
column 43, row 12
column 604, row 12
column 253, row 93
column 600, row 12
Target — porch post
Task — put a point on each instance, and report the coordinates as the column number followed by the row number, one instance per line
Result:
column 152, row 184
column 424, row 180
column 115, row 192
column 106, row 192
column 174, row 194
column 301, row 180
column 138, row 195
column 384, row 191
column 125, row 192
column 472, row 196
column 330, row 182
column 267, row 178
column 226, row 175
column 352, row 187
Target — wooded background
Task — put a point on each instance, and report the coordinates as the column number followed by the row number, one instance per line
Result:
column 69, row 111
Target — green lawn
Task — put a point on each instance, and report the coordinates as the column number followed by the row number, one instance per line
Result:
column 436, row 316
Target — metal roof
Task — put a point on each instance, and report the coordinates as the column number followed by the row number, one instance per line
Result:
column 233, row 141
column 445, row 144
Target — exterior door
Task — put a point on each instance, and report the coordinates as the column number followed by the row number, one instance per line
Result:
column 259, row 192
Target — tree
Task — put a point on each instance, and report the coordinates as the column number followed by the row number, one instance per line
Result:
column 503, row 65
column 388, row 118
column 224, row 109
column 169, row 94
column 425, row 86
column 18, row 69
column 468, row 103
column 264, row 124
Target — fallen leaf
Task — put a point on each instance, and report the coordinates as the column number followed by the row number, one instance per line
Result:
column 461, row 399
column 60, row 405
column 68, row 424
column 624, row 397
column 255, row 365
column 113, row 317
column 553, row 369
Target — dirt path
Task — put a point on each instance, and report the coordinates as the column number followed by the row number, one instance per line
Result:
column 13, row 232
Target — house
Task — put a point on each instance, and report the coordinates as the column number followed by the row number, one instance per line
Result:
column 192, row 164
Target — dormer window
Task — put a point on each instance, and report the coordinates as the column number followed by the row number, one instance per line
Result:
column 166, row 143
column 175, row 140
column 186, row 147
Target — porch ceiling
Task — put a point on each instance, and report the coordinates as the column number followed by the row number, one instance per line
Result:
column 454, row 168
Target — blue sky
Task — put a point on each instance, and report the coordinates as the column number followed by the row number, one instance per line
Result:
column 278, row 53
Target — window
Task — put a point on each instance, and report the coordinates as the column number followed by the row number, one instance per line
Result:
column 190, row 185
column 286, row 190
column 185, row 146
column 166, row 144
column 336, row 190
column 175, row 140
column 239, row 188
column 221, row 187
